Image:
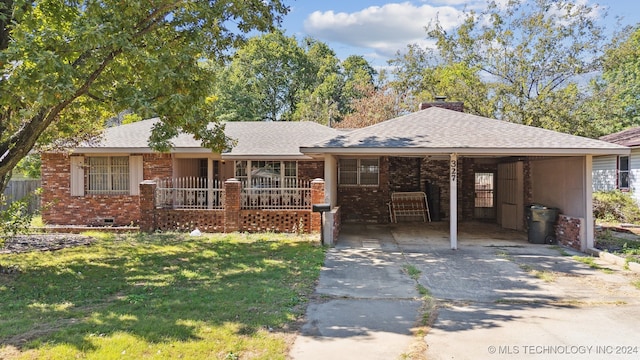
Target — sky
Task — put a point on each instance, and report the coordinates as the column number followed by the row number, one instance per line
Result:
column 377, row 29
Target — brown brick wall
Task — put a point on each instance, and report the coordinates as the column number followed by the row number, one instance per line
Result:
column 275, row 220
column 188, row 220
column 337, row 223
column 232, row 188
column 147, row 198
column 369, row 204
column 455, row 105
column 466, row 186
column 528, row 187
column 157, row 166
column 309, row 170
column 410, row 170
column 60, row 208
column 366, row 203
column 568, row 231
column 436, row 172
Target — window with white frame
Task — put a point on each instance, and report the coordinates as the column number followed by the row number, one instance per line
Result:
column 623, row 172
column 267, row 173
column 108, row 174
column 363, row 171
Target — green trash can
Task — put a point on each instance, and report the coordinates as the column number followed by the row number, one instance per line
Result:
column 541, row 221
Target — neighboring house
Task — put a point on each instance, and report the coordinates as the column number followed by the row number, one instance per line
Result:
column 470, row 167
column 621, row 172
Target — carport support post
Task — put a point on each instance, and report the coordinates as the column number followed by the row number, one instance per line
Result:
column 453, row 201
column 589, row 231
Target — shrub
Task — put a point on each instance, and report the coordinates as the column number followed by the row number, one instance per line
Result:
column 615, row 206
column 15, row 219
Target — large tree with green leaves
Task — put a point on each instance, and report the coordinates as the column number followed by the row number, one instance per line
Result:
column 66, row 65
column 264, row 79
column 615, row 99
column 322, row 100
column 420, row 75
column 275, row 77
column 531, row 55
column 337, row 86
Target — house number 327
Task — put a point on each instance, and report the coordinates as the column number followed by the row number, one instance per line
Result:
column 454, row 170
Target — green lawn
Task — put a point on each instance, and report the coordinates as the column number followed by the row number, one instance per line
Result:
column 163, row 296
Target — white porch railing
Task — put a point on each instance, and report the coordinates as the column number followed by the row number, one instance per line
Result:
column 189, row 193
column 296, row 196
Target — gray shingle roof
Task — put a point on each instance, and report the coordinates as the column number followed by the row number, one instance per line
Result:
column 431, row 131
column 266, row 139
column 628, row 137
column 437, row 130
column 275, row 138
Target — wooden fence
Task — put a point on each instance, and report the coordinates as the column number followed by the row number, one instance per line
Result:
column 19, row 189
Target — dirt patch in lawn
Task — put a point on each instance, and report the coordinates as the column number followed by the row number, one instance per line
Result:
column 43, row 242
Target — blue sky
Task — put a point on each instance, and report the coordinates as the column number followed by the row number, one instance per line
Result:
column 376, row 29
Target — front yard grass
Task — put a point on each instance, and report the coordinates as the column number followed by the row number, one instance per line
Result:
column 161, row 296
column 626, row 245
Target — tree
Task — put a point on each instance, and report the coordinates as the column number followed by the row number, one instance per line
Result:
column 320, row 100
column 359, row 76
column 615, row 101
column 337, row 85
column 420, row 75
column 66, row 66
column 530, row 54
column 277, row 78
column 376, row 105
column 409, row 76
column 265, row 77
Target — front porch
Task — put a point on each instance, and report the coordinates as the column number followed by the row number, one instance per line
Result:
column 167, row 206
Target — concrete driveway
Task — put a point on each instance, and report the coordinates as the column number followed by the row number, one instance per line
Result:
column 496, row 297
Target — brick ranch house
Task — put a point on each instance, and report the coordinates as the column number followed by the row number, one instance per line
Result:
column 470, row 168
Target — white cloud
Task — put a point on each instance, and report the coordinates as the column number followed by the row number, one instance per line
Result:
column 384, row 29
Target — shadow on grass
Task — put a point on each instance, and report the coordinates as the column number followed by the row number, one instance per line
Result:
column 156, row 288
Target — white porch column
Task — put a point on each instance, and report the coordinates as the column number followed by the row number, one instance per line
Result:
column 331, row 179
column 453, row 201
column 210, row 177
column 589, row 231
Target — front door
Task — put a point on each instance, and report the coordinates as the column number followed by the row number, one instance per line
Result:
column 484, row 196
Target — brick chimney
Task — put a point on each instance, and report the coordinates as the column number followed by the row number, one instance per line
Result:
column 442, row 103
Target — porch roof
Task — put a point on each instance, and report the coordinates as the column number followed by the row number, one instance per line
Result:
column 253, row 140
column 440, row 131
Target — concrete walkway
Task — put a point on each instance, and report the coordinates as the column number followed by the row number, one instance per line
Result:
column 497, row 297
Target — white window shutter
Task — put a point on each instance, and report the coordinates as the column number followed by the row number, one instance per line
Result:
column 135, row 174
column 77, row 175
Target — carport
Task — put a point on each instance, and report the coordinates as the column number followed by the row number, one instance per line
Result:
column 451, row 150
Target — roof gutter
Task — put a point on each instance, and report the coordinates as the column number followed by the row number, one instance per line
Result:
column 468, row 151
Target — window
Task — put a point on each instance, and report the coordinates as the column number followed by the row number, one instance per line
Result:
column 290, row 174
column 623, row 172
column 267, row 174
column 108, row 175
column 484, row 190
column 241, row 171
column 348, row 172
column 358, row 172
